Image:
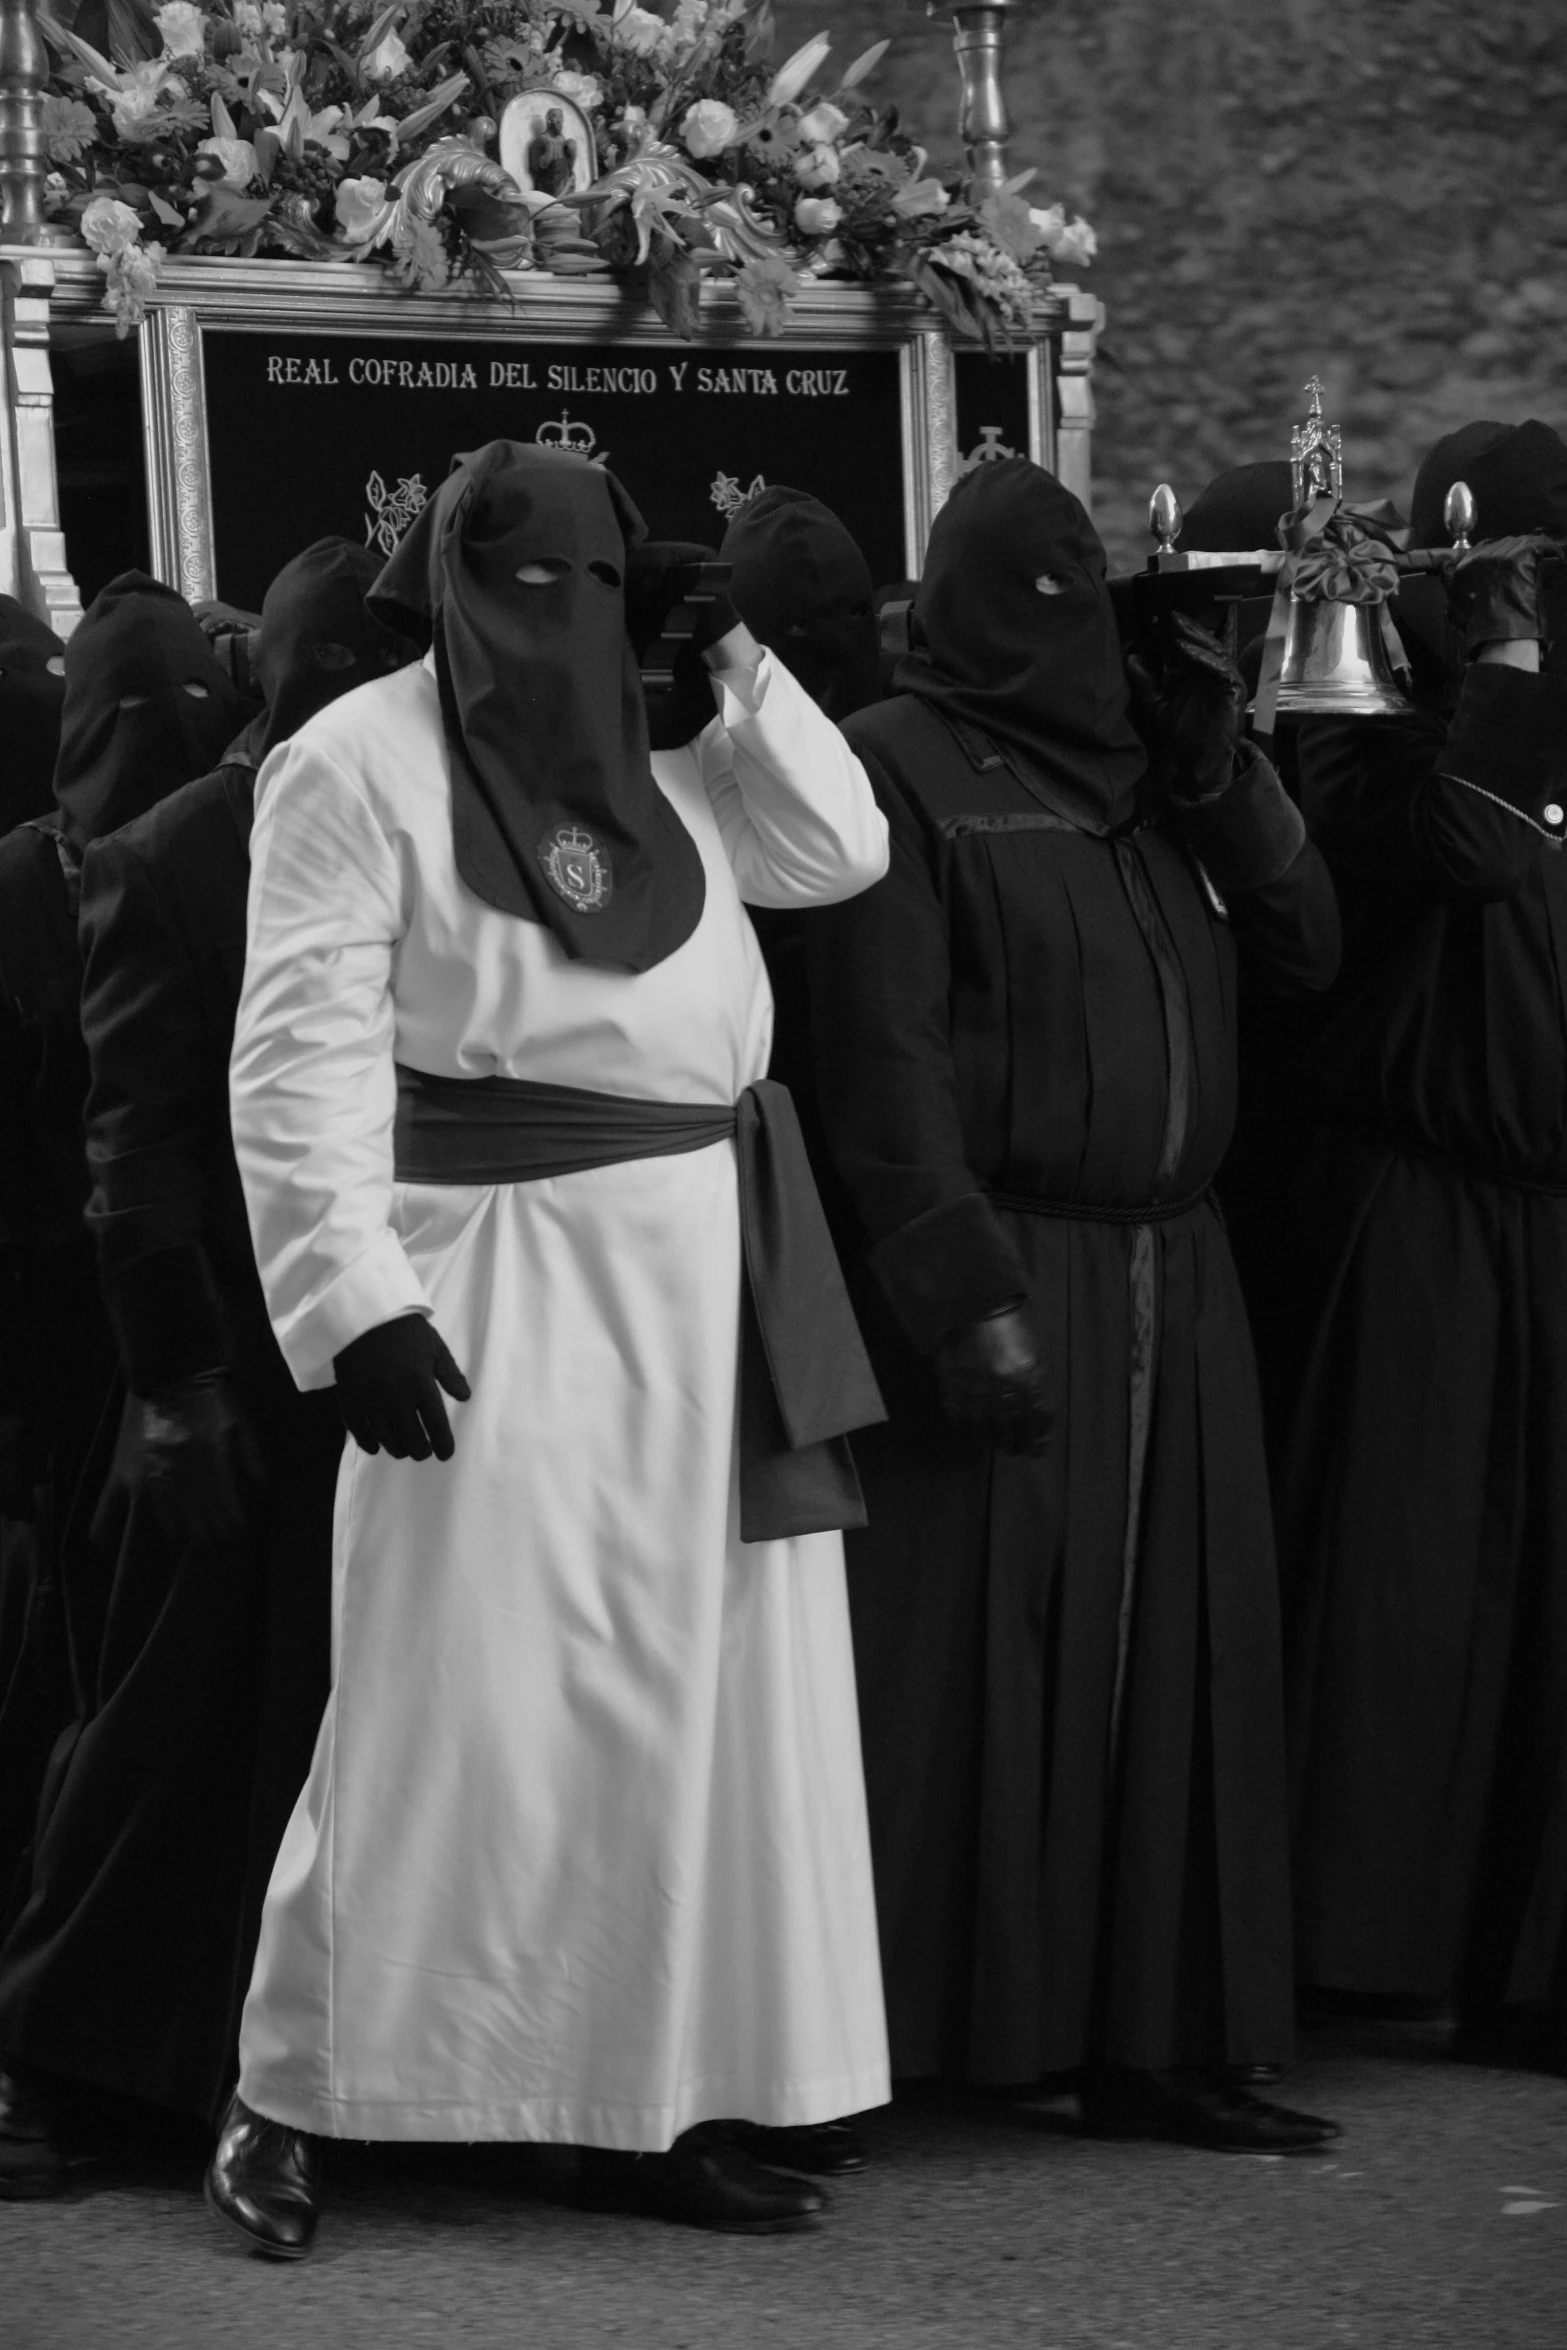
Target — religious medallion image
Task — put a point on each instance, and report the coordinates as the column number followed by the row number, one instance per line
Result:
column 576, row 868
column 546, row 143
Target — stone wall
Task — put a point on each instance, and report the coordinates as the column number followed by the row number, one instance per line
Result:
column 1374, row 191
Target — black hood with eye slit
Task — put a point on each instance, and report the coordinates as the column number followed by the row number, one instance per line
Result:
column 803, row 588
column 147, row 708
column 556, row 816
column 317, row 638
column 31, row 694
column 1041, row 675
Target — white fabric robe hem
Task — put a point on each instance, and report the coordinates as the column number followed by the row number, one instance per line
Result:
column 542, row 2121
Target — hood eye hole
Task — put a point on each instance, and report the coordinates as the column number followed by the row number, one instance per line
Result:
column 332, row 656
column 197, row 693
column 134, row 701
column 543, row 573
column 56, row 665
column 606, row 572
column 1047, row 584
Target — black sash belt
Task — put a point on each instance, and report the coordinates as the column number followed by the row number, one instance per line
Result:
column 805, row 1378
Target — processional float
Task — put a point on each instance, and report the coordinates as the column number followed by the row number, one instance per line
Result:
column 217, row 466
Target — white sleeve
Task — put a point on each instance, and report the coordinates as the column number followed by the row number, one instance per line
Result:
column 312, row 1081
column 795, row 809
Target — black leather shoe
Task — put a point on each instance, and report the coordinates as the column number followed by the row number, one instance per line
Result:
column 264, row 2182
column 31, row 2164
column 704, row 2181
column 825, row 2150
column 1194, row 2112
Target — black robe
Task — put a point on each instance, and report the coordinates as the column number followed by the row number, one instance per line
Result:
column 1068, row 1666
column 57, row 1358
column 129, row 1964
column 1423, row 1495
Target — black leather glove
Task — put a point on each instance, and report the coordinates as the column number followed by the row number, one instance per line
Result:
column 197, row 1459
column 1197, row 717
column 389, row 1389
column 1493, row 591
column 660, row 575
column 990, row 1379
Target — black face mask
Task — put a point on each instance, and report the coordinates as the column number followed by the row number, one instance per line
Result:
column 32, row 691
column 146, row 707
column 516, row 570
column 317, row 640
column 657, row 577
column 1013, row 633
column 803, row 589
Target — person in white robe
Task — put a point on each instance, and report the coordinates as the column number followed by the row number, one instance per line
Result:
column 583, row 1853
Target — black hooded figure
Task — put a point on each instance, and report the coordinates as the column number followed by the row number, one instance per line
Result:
column 1064, row 1603
column 1422, row 1496
column 145, row 708
column 32, row 688
column 126, row 1967
column 803, row 588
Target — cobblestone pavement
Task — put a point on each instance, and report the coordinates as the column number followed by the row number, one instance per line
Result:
column 1440, row 2219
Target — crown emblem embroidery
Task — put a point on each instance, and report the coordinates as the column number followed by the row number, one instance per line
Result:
column 576, row 868
column 579, row 440
column 728, row 496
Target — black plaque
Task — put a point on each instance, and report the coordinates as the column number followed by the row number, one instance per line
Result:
column 316, row 432
column 992, row 405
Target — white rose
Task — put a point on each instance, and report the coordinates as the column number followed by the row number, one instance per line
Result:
column 184, row 29
column 583, row 87
column 1078, row 244
column 237, row 156
column 359, row 205
column 817, row 216
column 824, row 123
column 247, row 18
column 386, row 60
column 275, row 17
column 817, row 167
column 109, row 226
column 636, row 29
column 709, row 127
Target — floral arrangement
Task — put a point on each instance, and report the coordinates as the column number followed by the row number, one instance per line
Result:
column 352, row 130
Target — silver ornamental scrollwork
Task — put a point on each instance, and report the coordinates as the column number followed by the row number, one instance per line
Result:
column 187, row 428
column 941, row 417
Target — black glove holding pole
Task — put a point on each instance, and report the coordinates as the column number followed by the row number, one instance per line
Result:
column 1493, row 591
column 990, row 1379
column 197, row 1460
column 661, row 576
column 389, row 1386
column 1196, row 718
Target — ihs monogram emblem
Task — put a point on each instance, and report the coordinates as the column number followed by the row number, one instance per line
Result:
column 576, row 868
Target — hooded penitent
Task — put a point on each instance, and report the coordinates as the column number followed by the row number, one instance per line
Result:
column 146, row 707
column 1013, row 635
column 32, row 688
column 515, row 573
column 318, row 639
column 803, row 589
column 1240, row 510
column 1518, row 473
